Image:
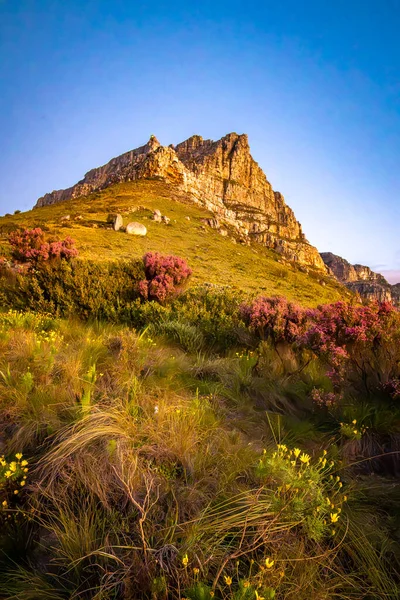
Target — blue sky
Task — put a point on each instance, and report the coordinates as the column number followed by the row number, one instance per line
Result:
column 315, row 84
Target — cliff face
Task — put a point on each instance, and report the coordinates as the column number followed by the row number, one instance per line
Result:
column 222, row 176
column 362, row 280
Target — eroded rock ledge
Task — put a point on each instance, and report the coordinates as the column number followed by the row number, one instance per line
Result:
column 221, row 176
column 361, row 279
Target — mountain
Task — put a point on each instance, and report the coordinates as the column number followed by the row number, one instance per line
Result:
column 221, row 176
column 361, row 279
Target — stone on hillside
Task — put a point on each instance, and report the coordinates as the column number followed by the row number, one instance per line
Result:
column 213, row 223
column 118, row 222
column 157, row 213
column 187, row 218
column 65, row 218
column 223, row 232
column 165, row 219
column 157, row 217
column 135, row 228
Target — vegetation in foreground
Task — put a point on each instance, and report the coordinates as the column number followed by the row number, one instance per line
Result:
column 191, row 444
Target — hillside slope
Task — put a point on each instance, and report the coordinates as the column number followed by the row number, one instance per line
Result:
column 214, row 259
column 221, row 176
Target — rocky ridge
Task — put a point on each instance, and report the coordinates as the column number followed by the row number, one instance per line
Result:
column 223, row 177
column 361, row 279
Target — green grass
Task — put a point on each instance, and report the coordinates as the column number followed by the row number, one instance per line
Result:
column 147, row 477
column 213, row 258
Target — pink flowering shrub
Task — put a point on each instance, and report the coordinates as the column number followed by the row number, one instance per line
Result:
column 31, row 245
column 275, row 318
column 165, row 276
column 324, row 399
column 360, row 345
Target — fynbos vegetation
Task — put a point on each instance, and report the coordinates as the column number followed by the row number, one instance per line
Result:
column 192, row 444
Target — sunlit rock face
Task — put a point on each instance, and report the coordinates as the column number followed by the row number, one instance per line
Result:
column 221, row 176
column 361, row 279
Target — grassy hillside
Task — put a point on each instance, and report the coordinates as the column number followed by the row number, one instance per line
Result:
column 211, row 446
column 140, row 465
column 213, row 258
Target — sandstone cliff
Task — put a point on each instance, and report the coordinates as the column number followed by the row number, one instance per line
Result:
column 221, row 176
column 361, row 279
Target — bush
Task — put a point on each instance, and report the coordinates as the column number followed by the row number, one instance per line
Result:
column 215, row 311
column 79, row 288
column 165, row 276
column 31, row 245
column 359, row 345
column 275, row 318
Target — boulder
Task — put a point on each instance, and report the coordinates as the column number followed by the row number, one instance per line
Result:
column 214, row 223
column 65, row 218
column 136, row 229
column 156, row 217
column 118, row 222
column 165, row 219
column 157, row 213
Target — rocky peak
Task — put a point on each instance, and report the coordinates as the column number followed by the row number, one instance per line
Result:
column 361, row 279
column 221, row 176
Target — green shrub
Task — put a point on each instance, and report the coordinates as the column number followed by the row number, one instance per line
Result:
column 215, row 311
column 79, row 288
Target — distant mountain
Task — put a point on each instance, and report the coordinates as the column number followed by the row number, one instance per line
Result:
column 361, row 279
column 221, row 176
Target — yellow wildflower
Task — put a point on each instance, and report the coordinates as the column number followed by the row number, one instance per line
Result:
column 355, row 431
column 4, row 504
column 325, row 453
column 22, row 483
column 18, row 456
column 246, row 584
column 297, row 452
column 228, row 580
column 334, row 517
column 258, row 597
column 185, row 560
column 24, row 463
column 269, row 563
column 7, row 474
column 196, row 571
column 354, row 421
column 305, row 458
column 13, row 466
column 15, row 492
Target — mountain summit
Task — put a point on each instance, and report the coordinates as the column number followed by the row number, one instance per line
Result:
column 222, row 176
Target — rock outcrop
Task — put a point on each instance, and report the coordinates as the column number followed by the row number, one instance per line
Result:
column 221, row 176
column 361, row 279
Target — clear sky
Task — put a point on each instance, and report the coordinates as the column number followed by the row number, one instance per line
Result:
column 314, row 83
